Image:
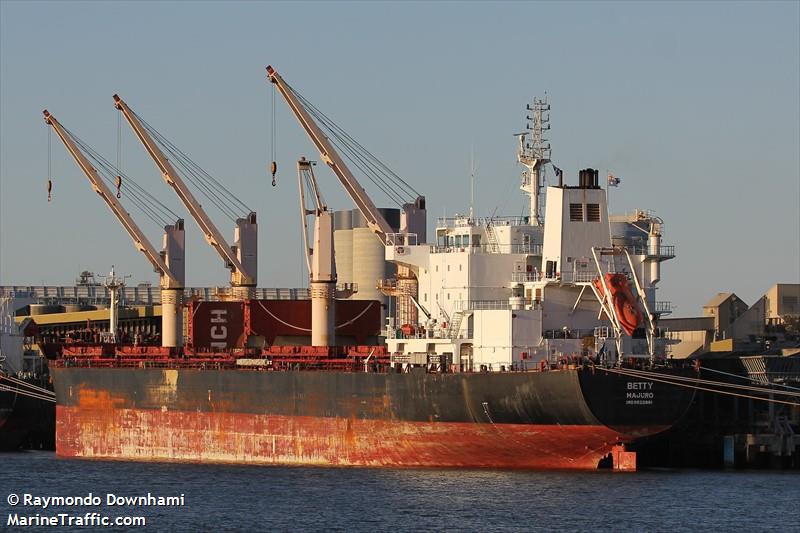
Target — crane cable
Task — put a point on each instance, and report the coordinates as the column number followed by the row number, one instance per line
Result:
column 119, row 154
column 392, row 185
column 378, row 173
column 400, row 183
column 219, row 196
column 210, row 187
column 143, row 200
column 273, row 143
column 49, row 163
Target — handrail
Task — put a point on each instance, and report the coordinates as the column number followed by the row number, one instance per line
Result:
column 463, row 221
column 581, row 276
column 664, row 250
column 136, row 295
column 662, row 307
column 479, row 305
column 401, row 239
column 529, row 249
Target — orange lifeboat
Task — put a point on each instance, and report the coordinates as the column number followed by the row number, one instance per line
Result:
column 625, row 305
column 408, row 330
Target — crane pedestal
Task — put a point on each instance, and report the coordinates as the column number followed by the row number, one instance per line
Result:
column 171, row 317
column 243, row 292
column 323, row 314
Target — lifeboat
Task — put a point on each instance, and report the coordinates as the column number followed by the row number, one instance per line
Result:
column 625, row 305
column 408, row 330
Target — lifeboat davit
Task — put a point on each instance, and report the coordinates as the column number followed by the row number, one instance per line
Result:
column 625, row 305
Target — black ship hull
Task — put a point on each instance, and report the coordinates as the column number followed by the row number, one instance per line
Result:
column 569, row 418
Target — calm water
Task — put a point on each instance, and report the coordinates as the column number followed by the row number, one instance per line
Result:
column 234, row 498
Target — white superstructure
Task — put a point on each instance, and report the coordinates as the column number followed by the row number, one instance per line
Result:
column 500, row 293
column 506, row 293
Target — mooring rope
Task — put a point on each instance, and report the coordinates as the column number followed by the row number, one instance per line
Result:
column 748, row 378
column 30, row 394
column 696, row 387
column 31, row 386
column 718, row 383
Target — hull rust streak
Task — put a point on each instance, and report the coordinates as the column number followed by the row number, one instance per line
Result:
column 568, row 419
column 150, row 435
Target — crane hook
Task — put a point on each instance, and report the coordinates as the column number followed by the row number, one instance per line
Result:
column 119, row 184
column 274, row 169
column 49, row 190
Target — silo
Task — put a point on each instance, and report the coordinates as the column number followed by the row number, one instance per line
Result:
column 369, row 265
column 343, row 245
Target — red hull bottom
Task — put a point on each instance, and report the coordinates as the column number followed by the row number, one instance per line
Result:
column 150, row 435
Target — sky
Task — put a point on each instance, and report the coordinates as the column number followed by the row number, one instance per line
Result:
column 694, row 106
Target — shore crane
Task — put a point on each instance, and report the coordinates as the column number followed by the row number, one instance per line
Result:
column 412, row 216
column 169, row 263
column 241, row 258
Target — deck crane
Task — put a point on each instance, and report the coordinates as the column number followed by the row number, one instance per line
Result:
column 319, row 258
column 412, row 216
column 241, row 258
column 169, row 263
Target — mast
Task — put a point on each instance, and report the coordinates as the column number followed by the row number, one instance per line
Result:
column 471, row 185
column 114, row 285
column 534, row 153
column 319, row 256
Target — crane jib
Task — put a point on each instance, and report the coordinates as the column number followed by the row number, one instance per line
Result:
column 239, row 276
column 140, row 240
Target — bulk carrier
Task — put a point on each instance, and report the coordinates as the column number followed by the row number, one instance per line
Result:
column 512, row 341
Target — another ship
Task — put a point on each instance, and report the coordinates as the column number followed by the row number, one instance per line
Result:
column 27, row 401
column 514, row 343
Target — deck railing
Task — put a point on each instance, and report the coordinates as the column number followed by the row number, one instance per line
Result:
column 529, row 249
column 664, row 251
